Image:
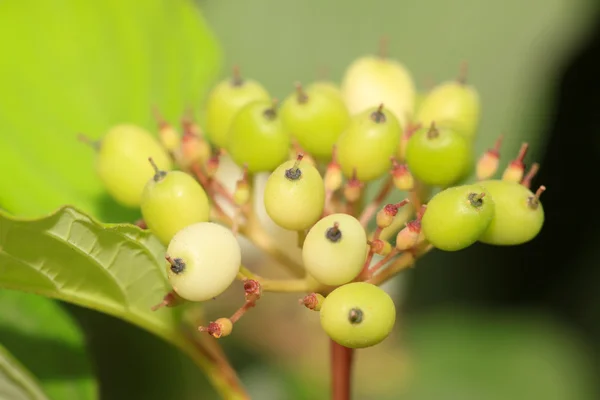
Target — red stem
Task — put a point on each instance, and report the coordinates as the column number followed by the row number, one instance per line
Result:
column 341, row 371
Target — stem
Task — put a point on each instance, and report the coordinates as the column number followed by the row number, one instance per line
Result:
column 375, row 204
column 405, row 261
column 341, row 371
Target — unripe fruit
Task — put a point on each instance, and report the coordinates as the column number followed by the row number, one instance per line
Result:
column 335, row 249
column 204, row 260
column 438, row 156
column 368, row 143
column 456, row 217
column 358, row 315
column 122, row 162
column 452, row 105
column 329, row 87
column 257, row 137
column 370, row 81
column 171, row 201
column 294, row 195
column 225, row 100
column 316, row 119
column 519, row 214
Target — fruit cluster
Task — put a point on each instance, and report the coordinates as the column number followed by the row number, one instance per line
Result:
column 321, row 148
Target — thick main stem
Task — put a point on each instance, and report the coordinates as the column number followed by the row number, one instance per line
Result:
column 341, row 371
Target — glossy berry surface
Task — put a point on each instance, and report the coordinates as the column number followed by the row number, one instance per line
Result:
column 519, row 216
column 335, row 249
column 172, row 201
column 205, row 261
column 122, row 162
column 223, row 103
column 257, row 138
column 456, row 218
column 372, row 137
column 452, row 105
column 316, row 118
column 370, row 81
column 294, row 195
column 438, row 157
column 358, row 315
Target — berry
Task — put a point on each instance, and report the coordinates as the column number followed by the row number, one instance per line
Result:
column 456, row 217
column 171, row 201
column 203, row 260
column 370, row 81
column 257, row 137
column 225, row 100
column 335, row 249
column 315, row 118
column 358, row 315
column 453, row 105
column 122, row 162
column 329, row 87
column 294, row 195
column 368, row 143
column 519, row 215
column 438, row 156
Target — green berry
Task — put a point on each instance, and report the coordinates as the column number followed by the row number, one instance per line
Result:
column 329, row 87
column 370, row 81
column 358, row 315
column 203, row 260
column 171, row 201
column 122, row 162
column 316, row 118
column 452, row 105
column 294, row 195
column 456, row 218
column 368, row 143
column 257, row 137
column 519, row 215
column 438, row 156
column 225, row 100
column 335, row 249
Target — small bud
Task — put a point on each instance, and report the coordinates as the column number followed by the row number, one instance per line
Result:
column 535, row 167
column 488, row 163
column 241, row 194
column 312, row 301
column 219, row 328
column 333, row 174
column 381, row 247
column 411, row 235
column 169, row 137
column 516, row 169
column 171, row 299
column 252, row 290
column 353, row 188
column 212, row 165
column 403, row 179
column 193, row 149
column 386, row 215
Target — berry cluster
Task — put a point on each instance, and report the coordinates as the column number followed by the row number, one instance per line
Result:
column 321, row 147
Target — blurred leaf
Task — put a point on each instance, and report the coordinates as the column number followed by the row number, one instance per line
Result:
column 114, row 270
column 77, row 66
column 474, row 356
column 16, row 383
column 43, row 336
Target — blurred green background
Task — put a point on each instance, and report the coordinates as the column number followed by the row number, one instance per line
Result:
column 73, row 66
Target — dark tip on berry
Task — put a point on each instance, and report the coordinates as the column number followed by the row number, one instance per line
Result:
column 355, row 316
column 476, row 199
column 378, row 116
column 534, row 201
column 236, row 78
column 433, row 131
column 158, row 174
column 271, row 112
column 295, row 172
column 301, row 95
column 334, row 234
column 177, row 264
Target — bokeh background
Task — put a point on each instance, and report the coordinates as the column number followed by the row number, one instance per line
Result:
column 485, row 323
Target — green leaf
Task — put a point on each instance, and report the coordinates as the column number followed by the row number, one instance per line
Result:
column 85, row 67
column 118, row 270
column 46, row 339
column 16, row 383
